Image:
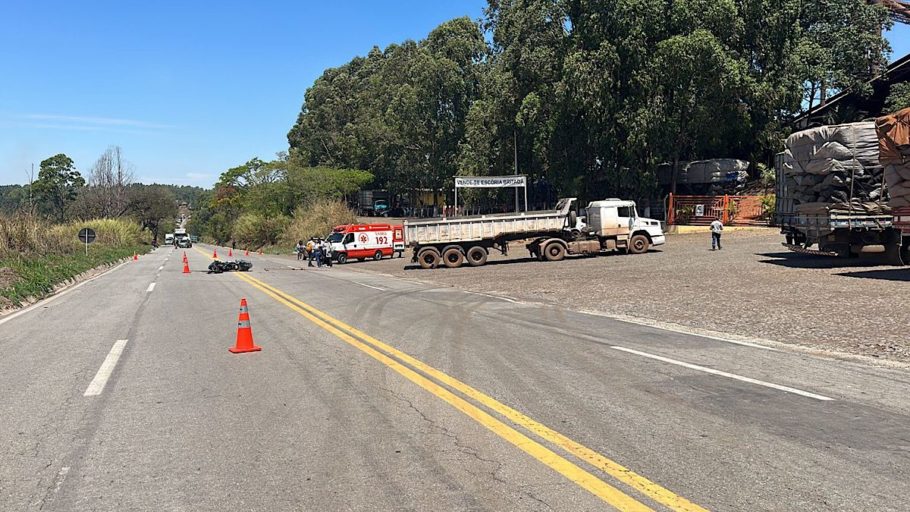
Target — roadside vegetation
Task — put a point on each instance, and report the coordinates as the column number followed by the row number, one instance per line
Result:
column 39, row 222
column 263, row 204
column 36, row 255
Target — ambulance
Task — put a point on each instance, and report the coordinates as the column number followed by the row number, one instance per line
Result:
column 362, row 241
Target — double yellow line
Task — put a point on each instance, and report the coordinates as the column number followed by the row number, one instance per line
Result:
column 408, row 367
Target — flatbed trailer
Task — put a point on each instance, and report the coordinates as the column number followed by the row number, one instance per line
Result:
column 552, row 234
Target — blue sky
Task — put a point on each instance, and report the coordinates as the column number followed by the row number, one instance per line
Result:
column 187, row 89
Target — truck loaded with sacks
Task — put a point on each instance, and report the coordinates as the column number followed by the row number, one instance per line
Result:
column 841, row 189
column 611, row 224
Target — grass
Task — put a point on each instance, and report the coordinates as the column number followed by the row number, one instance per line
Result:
column 36, row 257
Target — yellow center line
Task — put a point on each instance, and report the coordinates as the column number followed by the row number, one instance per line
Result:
column 625, row 475
column 584, row 479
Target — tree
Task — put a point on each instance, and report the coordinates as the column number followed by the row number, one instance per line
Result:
column 898, row 97
column 151, row 205
column 110, row 178
column 58, row 184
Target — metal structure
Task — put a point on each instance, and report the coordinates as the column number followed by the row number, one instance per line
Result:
column 900, row 9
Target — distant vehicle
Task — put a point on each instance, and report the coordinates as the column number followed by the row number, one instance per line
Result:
column 169, row 239
column 612, row 224
column 184, row 242
column 381, row 208
column 362, row 241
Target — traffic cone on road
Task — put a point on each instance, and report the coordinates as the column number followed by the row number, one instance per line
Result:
column 135, row 256
column 215, row 253
column 244, row 332
column 230, row 253
column 186, row 267
column 184, row 257
column 247, row 252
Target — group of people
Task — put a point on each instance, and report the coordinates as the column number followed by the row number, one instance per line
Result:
column 316, row 249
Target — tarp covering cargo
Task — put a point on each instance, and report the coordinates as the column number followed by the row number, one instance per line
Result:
column 714, row 171
column 836, row 165
column 894, row 153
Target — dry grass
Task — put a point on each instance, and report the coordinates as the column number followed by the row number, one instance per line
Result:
column 317, row 219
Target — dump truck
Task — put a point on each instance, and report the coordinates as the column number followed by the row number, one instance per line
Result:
column 611, row 224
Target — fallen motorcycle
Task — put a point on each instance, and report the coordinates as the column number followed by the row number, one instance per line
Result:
column 218, row 266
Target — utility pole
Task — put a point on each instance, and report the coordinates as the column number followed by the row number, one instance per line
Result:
column 515, row 155
column 31, row 179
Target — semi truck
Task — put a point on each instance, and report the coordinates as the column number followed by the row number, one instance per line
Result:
column 610, row 225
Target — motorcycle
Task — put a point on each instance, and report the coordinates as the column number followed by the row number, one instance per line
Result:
column 218, row 266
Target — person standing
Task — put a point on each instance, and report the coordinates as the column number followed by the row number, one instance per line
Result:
column 327, row 252
column 310, row 248
column 299, row 249
column 318, row 249
column 717, row 227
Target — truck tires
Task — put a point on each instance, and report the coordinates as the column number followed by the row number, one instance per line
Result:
column 428, row 258
column 477, row 256
column 638, row 244
column 452, row 257
column 377, row 255
column 554, row 251
column 341, row 258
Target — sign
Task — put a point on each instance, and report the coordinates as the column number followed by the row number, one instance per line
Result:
column 490, row 181
column 699, row 210
column 86, row 235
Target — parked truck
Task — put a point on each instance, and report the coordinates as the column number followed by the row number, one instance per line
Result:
column 611, row 224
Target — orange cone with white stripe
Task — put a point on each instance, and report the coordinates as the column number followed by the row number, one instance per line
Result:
column 244, row 332
column 184, row 257
column 186, row 267
column 230, row 253
column 215, row 253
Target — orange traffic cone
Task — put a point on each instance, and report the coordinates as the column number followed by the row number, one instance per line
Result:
column 230, row 253
column 186, row 267
column 135, row 256
column 184, row 257
column 215, row 253
column 247, row 252
column 244, row 332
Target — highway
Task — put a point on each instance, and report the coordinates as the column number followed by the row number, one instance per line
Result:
column 378, row 393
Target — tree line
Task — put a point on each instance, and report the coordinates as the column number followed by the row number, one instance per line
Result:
column 587, row 95
column 61, row 194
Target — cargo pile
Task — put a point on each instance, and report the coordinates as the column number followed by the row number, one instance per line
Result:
column 715, row 176
column 894, row 154
column 835, row 168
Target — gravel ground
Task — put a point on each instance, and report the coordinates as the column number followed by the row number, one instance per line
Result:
column 752, row 288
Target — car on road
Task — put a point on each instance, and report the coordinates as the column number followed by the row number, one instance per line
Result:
column 184, row 242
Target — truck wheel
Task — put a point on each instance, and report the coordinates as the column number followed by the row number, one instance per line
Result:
column 453, row 257
column 638, row 244
column 428, row 258
column 554, row 251
column 477, row 256
column 377, row 255
column 342, row 258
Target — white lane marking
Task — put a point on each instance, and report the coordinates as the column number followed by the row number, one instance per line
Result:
column 107, row 367
column 369, row 286
column 681, row 329
column 497, row 297
column 724, row 374
column 58, row 295
column 150, row 288
column 160, row 268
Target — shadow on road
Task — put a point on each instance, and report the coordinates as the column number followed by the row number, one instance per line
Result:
column 795, row 260
column 894, row 274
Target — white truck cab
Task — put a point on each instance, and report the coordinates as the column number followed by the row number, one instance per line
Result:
column 619, row 218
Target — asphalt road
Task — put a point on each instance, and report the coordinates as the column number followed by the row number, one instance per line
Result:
column 377, row 393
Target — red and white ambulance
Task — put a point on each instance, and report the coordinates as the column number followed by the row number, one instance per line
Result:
column 362, row 241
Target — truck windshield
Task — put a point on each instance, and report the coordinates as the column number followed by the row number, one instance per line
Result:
column 335, row 237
